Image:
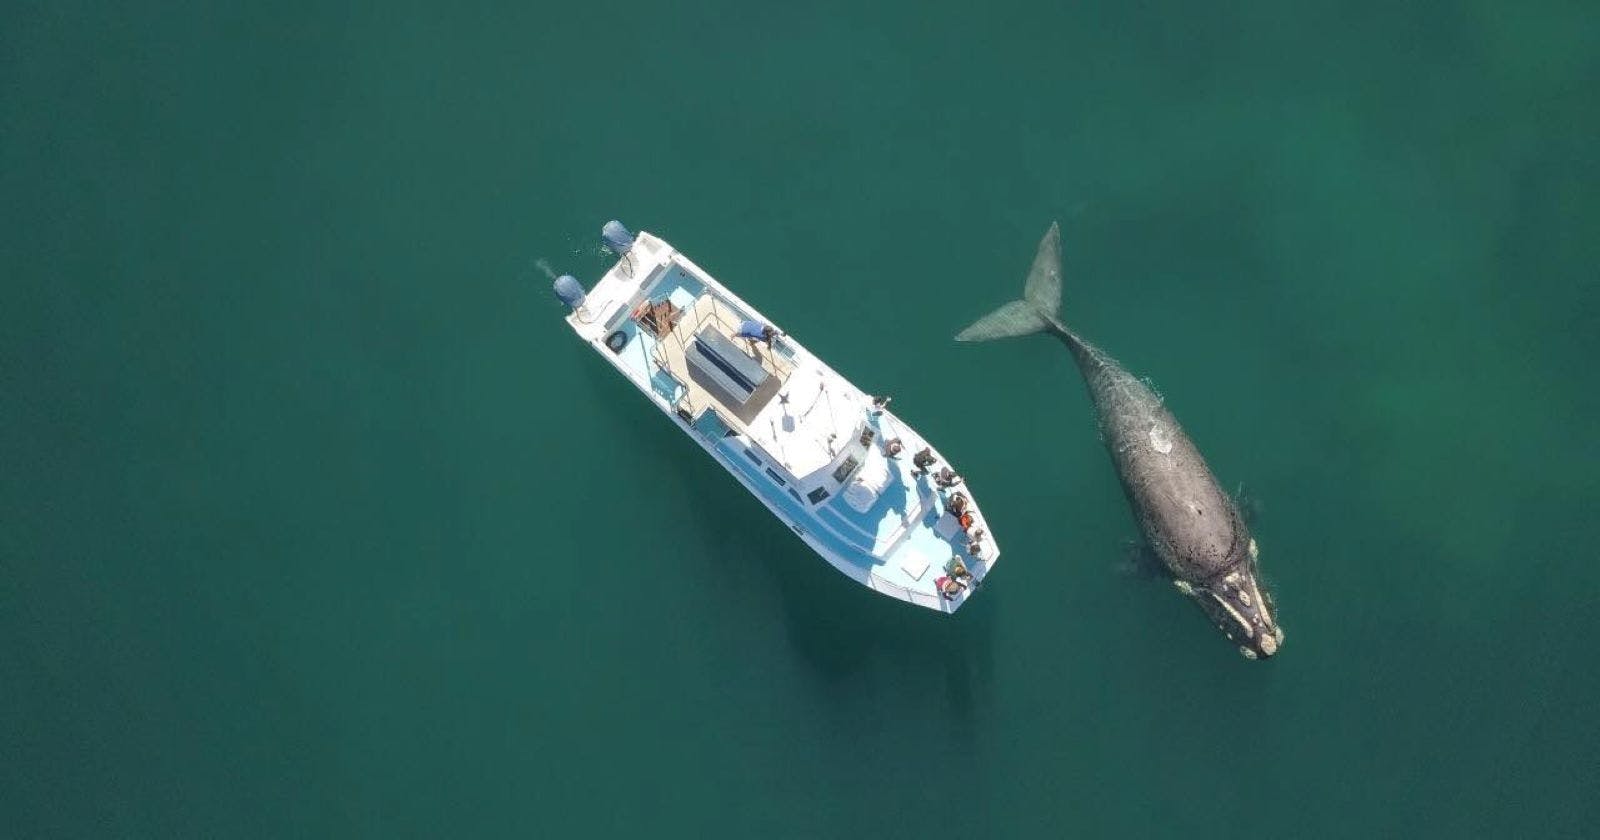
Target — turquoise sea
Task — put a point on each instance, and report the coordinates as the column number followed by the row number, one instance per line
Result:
column 316, row 520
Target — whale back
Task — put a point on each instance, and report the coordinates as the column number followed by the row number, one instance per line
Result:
column 1190, row 522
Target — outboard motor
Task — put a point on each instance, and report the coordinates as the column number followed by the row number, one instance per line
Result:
column 618, row 238
column 570, row 291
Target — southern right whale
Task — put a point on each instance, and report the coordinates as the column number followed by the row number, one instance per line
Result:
column 1188, row 521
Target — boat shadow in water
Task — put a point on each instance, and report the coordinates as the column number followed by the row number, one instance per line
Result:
column 866, row 652
column 860, row 647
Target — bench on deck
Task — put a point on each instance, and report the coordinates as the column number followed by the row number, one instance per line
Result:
column 717, row 358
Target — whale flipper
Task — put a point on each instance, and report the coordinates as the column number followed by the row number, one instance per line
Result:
column 1139, row 560
column 1249, row 504
column 1041, row 298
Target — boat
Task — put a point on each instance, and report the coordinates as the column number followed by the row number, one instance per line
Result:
column 841, row 469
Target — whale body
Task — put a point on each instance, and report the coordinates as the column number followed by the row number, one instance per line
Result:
column 1188, row 521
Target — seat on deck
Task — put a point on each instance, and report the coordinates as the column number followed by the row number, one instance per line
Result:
column 658, row 316
column 716, row 357
column 711, row 376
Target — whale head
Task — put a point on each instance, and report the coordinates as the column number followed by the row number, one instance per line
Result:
column 1237, row 603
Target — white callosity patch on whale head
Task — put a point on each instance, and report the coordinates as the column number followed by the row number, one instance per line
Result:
column 1254, row 552
column 1244, row 624
column 1269, row 644
column 1232, row 582
column 1160, row 438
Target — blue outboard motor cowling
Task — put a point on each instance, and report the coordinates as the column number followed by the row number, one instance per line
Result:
column 570, row 291
column 618, row 238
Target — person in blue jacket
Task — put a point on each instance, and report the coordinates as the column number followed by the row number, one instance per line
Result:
column 754, row 331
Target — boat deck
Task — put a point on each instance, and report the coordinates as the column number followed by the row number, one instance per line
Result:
column 916, row 536
column 901, row 545
column 700, row 391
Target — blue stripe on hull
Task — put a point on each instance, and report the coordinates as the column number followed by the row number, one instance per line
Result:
column 793, row 511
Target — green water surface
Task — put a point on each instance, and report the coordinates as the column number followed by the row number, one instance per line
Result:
column 316, row 521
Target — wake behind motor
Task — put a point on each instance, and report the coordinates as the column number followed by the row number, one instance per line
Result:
column 619, row 240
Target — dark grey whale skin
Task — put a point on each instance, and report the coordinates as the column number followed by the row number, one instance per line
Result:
column 1189, row 522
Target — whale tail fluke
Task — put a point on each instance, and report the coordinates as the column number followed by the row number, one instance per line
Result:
column 1041, row 298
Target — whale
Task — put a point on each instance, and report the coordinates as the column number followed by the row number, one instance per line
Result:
column 1189, row 523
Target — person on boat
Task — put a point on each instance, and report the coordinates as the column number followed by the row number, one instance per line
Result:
column 975, row 547
column 949, row 587
column 959, row 571
column 958, row 504
column 753, row 331
column 893, row 447
column 967, row 521
column 946, row 478
column 879, row 404
column 922, row 461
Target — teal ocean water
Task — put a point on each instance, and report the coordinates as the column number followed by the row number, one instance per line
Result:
column 317, row 521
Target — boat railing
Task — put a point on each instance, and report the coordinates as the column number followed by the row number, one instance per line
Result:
column 921, row 599
column 679, row 400
column 720, row 313
column 727, row 317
